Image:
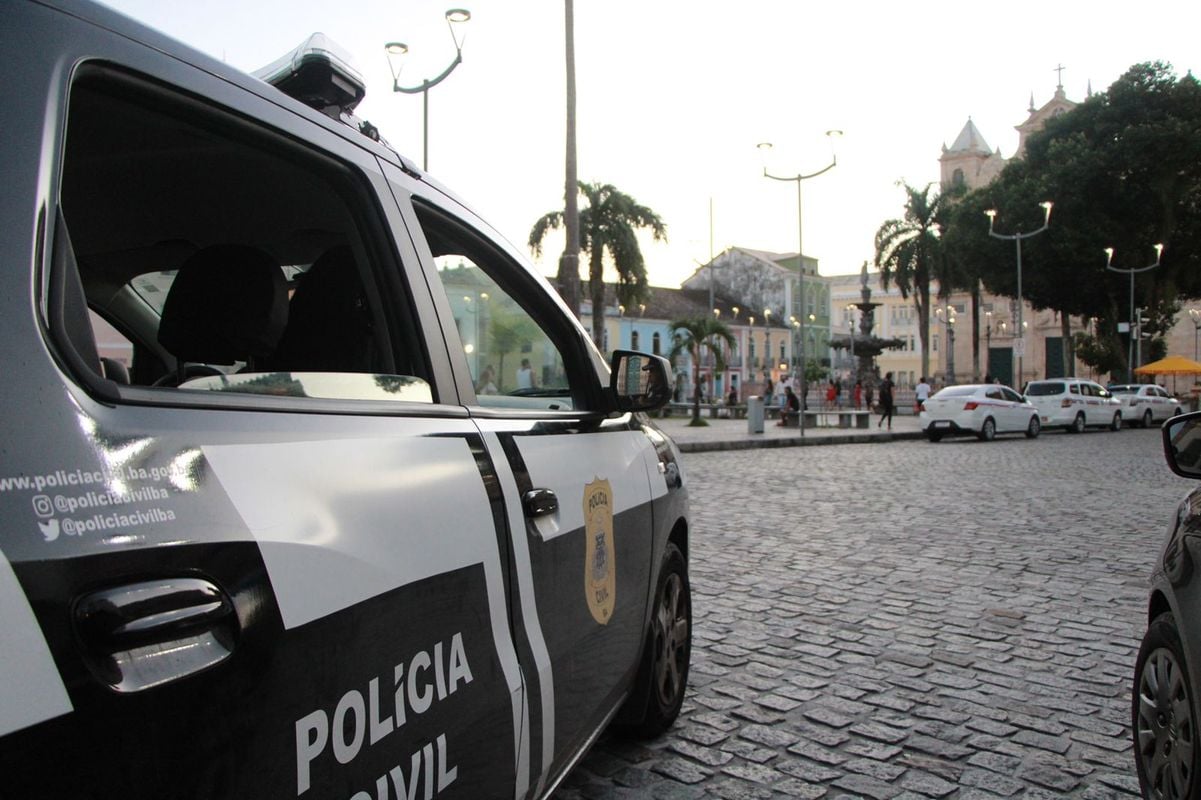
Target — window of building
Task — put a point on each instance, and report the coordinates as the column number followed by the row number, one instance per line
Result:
column 656, row 344
column 633, row 340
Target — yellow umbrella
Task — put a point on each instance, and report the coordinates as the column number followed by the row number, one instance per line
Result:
column 1171, row 365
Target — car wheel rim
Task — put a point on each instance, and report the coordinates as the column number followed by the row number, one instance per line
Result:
column 671, row 639
column 1165, row 726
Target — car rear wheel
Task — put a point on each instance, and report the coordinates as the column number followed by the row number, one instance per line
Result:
column 1034, row 428
column 1165, row 728
column 1077, row 425
column 663, row 675
column 988, row 431
column 933, row 436
column 1116, row 425
column 1147, row 418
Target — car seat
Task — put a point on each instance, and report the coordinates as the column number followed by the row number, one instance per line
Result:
column 228, row 303
column 329, row 323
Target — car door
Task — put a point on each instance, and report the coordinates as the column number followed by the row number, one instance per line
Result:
column 288, row 576
column 1017, row 414
column 578, row 482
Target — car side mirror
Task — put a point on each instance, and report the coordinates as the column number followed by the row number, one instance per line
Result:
column 639, row 381
column 1182, row 444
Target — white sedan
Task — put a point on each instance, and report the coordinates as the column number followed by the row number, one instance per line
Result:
column 1146, row 404
column 983, row 410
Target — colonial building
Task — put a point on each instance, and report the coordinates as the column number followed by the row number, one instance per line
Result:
column 784, row 293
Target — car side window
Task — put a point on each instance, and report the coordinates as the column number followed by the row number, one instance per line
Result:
column 228, row 257
column 994, row 394
column 514, row 359
column 1011, row 395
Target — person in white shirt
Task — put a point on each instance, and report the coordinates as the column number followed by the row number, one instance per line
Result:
column 525, row 375
column 922, row 393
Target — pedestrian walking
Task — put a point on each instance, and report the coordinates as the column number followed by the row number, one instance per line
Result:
column 886, row 401
column 831, row 394
column 921, row 394
column 870, row 395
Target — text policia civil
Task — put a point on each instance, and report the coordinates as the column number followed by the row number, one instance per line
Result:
column 362, row 719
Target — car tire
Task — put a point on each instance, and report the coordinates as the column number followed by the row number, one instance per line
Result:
column 1077, row 425
column 1116, row 425
column 1148, row 420
column 988, row 431
column 934, row 437
column 1034, row 428
column 663, row 674
column 1166, row 750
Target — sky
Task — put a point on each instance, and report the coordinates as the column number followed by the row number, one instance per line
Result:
column 674, row 96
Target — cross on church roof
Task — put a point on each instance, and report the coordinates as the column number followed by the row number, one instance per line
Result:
column 1059, row 78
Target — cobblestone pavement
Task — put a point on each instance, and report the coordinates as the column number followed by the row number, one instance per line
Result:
column 907, row 620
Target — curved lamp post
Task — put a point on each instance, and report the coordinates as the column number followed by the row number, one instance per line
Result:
column 1196, row 316
column 396, row 50
column 1019, row 328
column 799, row 178
column 1132, row 272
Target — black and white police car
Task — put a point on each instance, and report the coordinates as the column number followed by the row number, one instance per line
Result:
column 280, row 517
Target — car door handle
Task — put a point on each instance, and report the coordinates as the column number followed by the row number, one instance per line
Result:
column 145, row 634
column 539, row 502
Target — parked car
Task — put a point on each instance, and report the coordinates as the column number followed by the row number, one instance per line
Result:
column 1074, row 404
column 311, row 485
column 1166, row 707
column 982, row 410
column 1146, row 404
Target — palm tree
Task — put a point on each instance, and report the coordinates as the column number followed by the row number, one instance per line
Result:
column 909, row 255
column 609, row 224
column 690, row 336
column 569, row 262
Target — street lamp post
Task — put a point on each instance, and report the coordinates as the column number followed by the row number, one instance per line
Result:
column 799, row 178
column 395, row 50
column 949, row 321
column 1196, row 315
column 988, row 343
column 1132, row 272
column 1019, row 328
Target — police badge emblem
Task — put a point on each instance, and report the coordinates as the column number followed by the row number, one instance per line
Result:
column 600, row 561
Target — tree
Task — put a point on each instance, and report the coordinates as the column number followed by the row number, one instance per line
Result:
column 909, row 254
column 569, row 262
column 608, row 226
column 691, row 336
column 1124, row 170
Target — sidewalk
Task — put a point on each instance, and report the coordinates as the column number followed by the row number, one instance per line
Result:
column 731, row 434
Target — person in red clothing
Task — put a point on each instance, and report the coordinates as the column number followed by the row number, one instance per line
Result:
column 857, row 396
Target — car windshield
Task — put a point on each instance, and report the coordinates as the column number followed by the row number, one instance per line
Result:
column 1044, row 389
column 1124, row 389
column 955, row 391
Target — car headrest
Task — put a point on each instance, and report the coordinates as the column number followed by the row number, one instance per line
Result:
column 228, row 303
column 329, row 324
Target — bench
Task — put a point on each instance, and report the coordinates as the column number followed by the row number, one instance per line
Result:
column 843, row 418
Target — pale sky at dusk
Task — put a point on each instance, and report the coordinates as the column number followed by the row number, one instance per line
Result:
column 674, row 96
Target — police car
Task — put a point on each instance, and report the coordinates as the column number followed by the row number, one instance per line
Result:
column 279, row 519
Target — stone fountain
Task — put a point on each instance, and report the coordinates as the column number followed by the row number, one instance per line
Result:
column 866, row 345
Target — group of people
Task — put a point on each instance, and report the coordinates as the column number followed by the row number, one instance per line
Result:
column 790, row 403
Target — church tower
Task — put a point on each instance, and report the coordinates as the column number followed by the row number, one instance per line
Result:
column 1059, row 104
column 969, row 162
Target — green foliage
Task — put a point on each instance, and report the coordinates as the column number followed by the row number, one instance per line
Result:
column 691, row 336
column 1124, row 171
column 508, row 332
column 608, row 225
column 909, row 254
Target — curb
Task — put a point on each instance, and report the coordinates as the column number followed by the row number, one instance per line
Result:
column 816, row 441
